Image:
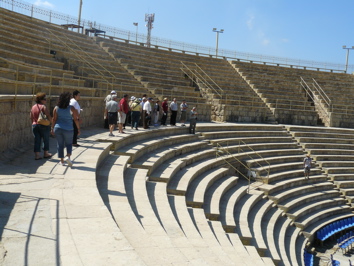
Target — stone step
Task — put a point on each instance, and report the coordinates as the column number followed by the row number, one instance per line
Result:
column 121, row 209
column 230, row 200
column 249, row 140
column 165, row 171
column 344, row 184
column 243, row 133
column 270, row 189
column 272, row 236
column 213, row 196
column 310, row 231
column 291, row 174
column 197, row 253
column 288, row 193
column 242, row 213
column 304, row 209
column 298, row 200
column 178, row 185
column 331, row 164
column 145, row 147
column 198, row 187
column 307, row 220
column 259, row 227
column 163, row 154
column 338, row 170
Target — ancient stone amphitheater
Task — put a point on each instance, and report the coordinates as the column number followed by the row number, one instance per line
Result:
column 232, row 194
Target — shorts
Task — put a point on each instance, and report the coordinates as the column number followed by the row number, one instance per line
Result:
column 112, row 118
column 121, row 117
column 307, row 169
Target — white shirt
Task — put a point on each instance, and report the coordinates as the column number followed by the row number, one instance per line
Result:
column 147, row 107
column 75, row 104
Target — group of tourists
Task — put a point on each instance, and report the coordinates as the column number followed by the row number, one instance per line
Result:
column 144, row 112
column 65, row 125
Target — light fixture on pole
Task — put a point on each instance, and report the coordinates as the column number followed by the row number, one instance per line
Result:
column 347, row 58
column 136, row 24
column 217, row 39
column 79, row 20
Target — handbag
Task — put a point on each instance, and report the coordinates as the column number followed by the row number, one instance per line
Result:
column 42, row 119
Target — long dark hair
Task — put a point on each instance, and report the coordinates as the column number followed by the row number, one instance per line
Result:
column 64, row 100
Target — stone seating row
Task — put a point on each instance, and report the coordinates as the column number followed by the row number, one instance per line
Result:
column 226, row 248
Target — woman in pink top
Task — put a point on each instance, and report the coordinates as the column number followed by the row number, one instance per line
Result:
column 40, row 132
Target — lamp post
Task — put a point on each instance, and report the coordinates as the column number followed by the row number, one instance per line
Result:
column 217, row 39
column 136, row 24
column 79, row 19
column 347, row 58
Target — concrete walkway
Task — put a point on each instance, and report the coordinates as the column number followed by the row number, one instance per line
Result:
column 49, row 214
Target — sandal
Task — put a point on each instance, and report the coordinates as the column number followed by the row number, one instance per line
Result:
column 48, row 156
column 38, row 158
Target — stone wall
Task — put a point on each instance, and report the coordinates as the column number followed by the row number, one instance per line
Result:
column 342, row 120
column 241, row 114
column 284, row 116
column 15, row 123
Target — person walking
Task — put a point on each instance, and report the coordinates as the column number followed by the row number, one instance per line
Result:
column 147, row 113
column 40, row 132
column 193, row 120
column 174, row 110
column 123, row 110
column 76, row 105
column 183, row 117
column 156, row 112
column 106, row 100
column 136, row 110
column 112, row 109
column 165, row 111
column 307, row 166
column 62, row 127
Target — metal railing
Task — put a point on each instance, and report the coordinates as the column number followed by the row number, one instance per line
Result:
column 202, row 79
column 320, row 92
column 222, row 151
column 65, row 41
column 59, row 18
column 321, row 109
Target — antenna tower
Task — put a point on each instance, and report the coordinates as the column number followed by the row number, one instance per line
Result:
column 149, row 18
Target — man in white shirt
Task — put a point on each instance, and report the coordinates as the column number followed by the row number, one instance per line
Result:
column 76, row 105
column 147, row 113
column 174, row 110
column 307, row 166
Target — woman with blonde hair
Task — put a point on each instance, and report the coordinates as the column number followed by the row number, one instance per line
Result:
column 40, row 132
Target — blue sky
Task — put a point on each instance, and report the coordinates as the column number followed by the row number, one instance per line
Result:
column 311, row 30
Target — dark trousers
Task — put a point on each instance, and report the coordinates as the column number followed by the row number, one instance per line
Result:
column 135, row 118
column 173, row 118
column 76, row 131
column 163, row 119
column 146, row 119
column 192, row 125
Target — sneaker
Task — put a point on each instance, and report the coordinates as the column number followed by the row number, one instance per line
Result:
column 62, row 164
column 68, row 161
column 111, row 135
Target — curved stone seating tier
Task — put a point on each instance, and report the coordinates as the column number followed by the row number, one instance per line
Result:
column 258, row 229
column 138, row 149
column 179, row 183
column 214, row 196
column 282, row 195
column 187, row 223
column 310, row 232
column 197, row 188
